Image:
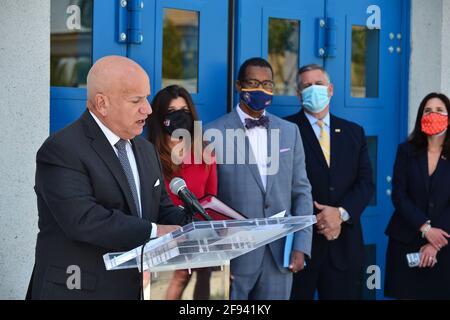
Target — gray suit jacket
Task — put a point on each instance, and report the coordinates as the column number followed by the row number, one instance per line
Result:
column 240, row 185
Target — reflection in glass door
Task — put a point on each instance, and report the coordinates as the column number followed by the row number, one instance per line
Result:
column 71, row 42
column 81, row 32
column 180, row 49
column 365, row 62
column 283, row 55
column 186, row 44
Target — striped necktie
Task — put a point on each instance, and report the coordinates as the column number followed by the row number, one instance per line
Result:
column 124, row 161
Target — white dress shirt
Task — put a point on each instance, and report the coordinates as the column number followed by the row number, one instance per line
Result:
column 257, row 137
column 113, row 139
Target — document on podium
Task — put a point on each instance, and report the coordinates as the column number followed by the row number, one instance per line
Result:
column 279, row 214
column 218, row 210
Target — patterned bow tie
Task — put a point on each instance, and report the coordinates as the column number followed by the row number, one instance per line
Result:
column 261, row 122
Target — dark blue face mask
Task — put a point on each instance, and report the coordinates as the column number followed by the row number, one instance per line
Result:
column 256, row 99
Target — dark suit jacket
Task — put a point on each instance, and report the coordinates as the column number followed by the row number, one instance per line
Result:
column 86, row 210
column 347, row 183
column 414, row 198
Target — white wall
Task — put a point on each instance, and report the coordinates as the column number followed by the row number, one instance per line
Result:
column 24, row 123
column 445, row 71
column 430, row 52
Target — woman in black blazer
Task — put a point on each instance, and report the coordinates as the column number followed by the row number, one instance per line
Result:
column 421, row 197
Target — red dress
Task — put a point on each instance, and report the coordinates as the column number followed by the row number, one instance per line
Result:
column 201, row 180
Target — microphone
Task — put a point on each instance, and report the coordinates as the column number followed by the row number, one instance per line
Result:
column 178, row 187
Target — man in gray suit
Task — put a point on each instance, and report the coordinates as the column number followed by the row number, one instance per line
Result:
column 259, row 185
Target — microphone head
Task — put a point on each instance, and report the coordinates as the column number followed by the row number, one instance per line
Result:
column 176, row 184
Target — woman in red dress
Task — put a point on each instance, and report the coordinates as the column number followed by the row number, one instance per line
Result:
column 174, row 109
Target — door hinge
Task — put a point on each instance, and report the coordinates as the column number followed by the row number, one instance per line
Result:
column 326, row 37
column 129, row 24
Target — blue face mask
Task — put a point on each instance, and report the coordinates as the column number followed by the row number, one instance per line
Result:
column 315, row 98
column 256, row 99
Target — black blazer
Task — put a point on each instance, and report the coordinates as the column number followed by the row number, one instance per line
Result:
column 415, row 199
column 347, row 183
column 86, row 210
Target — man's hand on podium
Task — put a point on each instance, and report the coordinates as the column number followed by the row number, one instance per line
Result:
column 297, row 261
column 163, row 229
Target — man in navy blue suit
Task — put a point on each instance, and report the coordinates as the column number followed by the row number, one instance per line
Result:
column 340, row 173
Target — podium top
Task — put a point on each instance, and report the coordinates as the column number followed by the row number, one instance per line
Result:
column 207, row 243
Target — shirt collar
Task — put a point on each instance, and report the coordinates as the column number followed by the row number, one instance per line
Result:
column 312, row 120
column 111, row 136
column 243, row 115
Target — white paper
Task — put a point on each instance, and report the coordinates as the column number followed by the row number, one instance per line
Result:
column 279, row 214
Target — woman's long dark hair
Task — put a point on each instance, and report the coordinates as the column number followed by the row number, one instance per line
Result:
column 419, row 139
column 156, row 134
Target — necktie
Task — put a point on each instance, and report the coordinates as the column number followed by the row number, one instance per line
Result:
column 324, row 140
column 123, row 158
column 261, row 122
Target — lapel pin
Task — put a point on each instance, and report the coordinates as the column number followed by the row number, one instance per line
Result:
column 337, row 130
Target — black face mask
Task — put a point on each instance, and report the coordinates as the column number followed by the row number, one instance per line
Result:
column 180, row 119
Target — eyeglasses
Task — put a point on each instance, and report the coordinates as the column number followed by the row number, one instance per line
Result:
column 266, row 84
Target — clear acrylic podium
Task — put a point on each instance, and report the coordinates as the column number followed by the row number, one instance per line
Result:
column 205, row 244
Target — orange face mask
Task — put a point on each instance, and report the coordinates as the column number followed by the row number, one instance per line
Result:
column 434, row 123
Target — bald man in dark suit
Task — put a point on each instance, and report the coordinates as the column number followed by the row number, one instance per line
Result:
column 99, row 189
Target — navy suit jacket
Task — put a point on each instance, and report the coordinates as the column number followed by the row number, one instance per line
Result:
column 347, row 183
column 415, row 199
column 86, row 209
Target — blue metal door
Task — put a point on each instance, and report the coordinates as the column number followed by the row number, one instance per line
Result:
column 368, row 70
column 281, row 31
column 361, row 44
column 185, row 43
column 82, row 31
column 176, row 41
